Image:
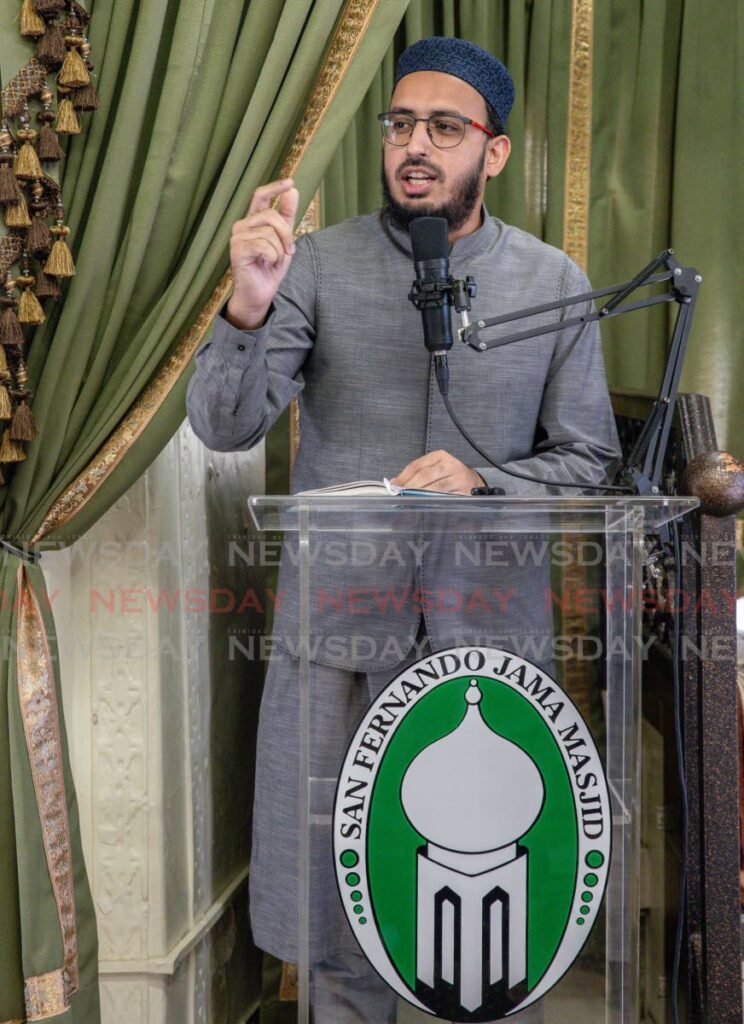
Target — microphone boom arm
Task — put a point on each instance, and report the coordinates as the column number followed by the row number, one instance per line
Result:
column 644, row 466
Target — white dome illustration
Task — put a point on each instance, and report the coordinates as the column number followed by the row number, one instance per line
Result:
column 472, row 791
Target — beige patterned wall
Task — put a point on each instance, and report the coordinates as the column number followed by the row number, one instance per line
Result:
column 139, row 705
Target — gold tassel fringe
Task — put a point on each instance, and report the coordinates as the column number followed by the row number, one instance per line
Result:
column 6, row 406
column 16, row 216
column 59, row 44
column 39, row 240
column 27, row 163
column 29, row 308
column 10, row 328
column 50, row 49
column 86, row 98
column 60, row 262
column 47, row 144
column 23, row 427
column 47, row 287
column 73, row 72
column 11, row 451
column 67, row 120
column 31, row 23
column 9, row 190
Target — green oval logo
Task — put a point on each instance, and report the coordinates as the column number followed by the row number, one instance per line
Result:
column 472, row 833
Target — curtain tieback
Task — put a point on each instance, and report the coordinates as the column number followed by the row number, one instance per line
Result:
column 24, row 554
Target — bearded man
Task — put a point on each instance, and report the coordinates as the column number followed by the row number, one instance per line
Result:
column 326, row 318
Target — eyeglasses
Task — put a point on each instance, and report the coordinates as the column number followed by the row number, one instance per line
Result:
column 444, row 130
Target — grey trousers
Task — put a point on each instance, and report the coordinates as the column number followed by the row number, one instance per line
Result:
column 338, row 700
column 344, row 989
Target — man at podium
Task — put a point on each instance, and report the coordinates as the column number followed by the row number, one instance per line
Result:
column 326, row 318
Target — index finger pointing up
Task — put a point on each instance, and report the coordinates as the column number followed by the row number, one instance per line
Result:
column 264, row 196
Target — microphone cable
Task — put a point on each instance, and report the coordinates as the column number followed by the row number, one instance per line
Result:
column 442, row 375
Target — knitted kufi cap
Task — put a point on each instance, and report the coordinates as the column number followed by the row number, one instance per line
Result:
column 464, row 60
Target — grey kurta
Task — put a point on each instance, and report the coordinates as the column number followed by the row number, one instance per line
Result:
column 344, row 338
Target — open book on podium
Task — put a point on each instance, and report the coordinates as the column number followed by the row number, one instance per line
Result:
column 466, row 841
column 371, row 489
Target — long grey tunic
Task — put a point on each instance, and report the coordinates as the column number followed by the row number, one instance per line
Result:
column 344, row 338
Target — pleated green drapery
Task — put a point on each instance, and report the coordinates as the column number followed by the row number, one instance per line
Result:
column 199, row 104
column 666, row 170
column 666, row 161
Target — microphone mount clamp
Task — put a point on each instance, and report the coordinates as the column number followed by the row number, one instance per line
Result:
column 431, row 294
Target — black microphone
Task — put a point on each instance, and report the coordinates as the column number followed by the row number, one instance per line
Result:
column 432, row 290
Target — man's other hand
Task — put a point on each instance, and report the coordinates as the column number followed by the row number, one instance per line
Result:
column 439, row 471
column 261, row 249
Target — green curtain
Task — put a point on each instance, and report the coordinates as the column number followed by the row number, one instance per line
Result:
column 666, row 156
column 199, row 104
column 666, row 170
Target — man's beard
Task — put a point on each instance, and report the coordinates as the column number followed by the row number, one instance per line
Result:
column 466, row 195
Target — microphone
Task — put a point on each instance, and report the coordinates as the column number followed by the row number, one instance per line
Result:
column 432, row 290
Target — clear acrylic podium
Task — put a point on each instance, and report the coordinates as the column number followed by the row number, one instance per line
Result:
column 463, row 724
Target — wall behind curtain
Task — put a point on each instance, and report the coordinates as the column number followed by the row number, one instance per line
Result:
column 665, row 161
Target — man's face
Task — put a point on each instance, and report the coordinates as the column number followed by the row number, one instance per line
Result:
column 420, row 179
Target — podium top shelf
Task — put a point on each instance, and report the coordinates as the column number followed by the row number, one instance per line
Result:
column 388, row 514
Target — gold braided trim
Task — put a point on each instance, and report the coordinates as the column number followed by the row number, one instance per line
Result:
column 346, row 40
column 82, row 489
column 11, row 249
column 29, row 81
column 47, row 995
column 40, row 713
column 15, row 1020
column 578, row 150
column 349, row 33
column 311, row 219
column 577, row 674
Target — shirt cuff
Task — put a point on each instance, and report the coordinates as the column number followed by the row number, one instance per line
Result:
column 237, row 345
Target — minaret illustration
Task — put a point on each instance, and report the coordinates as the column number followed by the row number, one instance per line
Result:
column 472, row 795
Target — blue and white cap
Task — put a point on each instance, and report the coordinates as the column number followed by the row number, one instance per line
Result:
column 464, row 60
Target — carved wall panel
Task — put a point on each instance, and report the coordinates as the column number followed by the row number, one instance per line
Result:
column 158, row 725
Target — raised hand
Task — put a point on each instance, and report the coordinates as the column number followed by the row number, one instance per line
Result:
column 261, row 249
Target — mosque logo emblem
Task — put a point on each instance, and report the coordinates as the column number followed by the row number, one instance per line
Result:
column 471, row 833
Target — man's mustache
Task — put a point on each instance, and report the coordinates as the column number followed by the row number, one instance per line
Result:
column 418, row 165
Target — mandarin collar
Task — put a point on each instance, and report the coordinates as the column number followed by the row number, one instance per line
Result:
column 474, row 244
